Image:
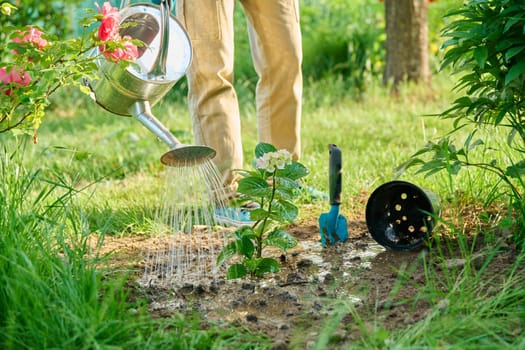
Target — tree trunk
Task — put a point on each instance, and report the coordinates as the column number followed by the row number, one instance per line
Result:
column 406, row 41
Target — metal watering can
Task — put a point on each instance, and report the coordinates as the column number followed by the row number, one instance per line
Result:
column 164, row 59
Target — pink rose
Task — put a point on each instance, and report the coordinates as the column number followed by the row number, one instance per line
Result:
column 108, row 11
column 109, row 25
column 15, row 76
column 129, row 51
column 108, row 29
column 31, row 35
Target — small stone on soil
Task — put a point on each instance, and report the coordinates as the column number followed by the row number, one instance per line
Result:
column 248, row 286
column 329, row 278
column 304, row 263
column 198, row 290
column 295, row 277
column 251, row 318
column 287, row 296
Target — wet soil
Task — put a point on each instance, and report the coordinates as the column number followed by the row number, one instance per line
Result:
column 359, row 280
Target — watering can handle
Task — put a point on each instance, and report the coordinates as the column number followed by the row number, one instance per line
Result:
column 159, row 66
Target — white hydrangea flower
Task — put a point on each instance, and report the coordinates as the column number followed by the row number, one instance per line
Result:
column 274, row 160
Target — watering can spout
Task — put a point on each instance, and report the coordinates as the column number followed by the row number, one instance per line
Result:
column 179, row 154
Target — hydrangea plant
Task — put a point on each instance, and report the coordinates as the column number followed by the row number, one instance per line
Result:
column 38, row 64
column 273, row 186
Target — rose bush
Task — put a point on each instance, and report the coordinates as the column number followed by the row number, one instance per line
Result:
column 36, row 65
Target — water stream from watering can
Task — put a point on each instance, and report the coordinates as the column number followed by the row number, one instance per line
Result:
column 187, row 241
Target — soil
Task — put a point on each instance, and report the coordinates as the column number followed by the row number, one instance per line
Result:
column 357, row 280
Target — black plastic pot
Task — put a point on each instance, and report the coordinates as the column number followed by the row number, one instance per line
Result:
column 400, row 215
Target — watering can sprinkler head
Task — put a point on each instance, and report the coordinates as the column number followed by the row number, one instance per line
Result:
column 179, row 154
column 187, row 154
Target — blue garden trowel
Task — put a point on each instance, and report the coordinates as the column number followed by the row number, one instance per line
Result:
column 333, row 225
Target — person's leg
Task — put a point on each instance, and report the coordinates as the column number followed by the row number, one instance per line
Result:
column 275, row 39
column 212, row 99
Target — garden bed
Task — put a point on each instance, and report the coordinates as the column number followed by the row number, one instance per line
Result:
column 357, row 278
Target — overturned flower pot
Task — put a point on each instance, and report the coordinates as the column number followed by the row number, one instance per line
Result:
column 400, row 215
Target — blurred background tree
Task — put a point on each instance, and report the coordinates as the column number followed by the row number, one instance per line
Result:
column 407, row 48
column 56, row 17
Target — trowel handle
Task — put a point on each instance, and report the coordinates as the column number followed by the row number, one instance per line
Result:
column 335, row 174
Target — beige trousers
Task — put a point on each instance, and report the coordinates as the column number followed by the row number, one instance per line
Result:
column 275, row 41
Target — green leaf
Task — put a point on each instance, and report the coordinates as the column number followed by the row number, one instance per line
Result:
column 400, row 169
column 227, row 253
column 286, row 188
column 236, row 271
column 480, row 54
column 285, row 193
column 267, row 265
column 514, row 51
column 251, row 264
column 283, row 210
column 431, row 166
column 510, row 23
column 245, row 246
column 242, row 244
column 516, row 170
column 469, row 145
column 85, row 89
column 512, row 134
column 244, row 231
column 285, row 182
column 263, row 148
column 280, row 239
column 258, row 214
column 514, row 72
column 254, row 187
column 463, row 102
column 293, row 171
